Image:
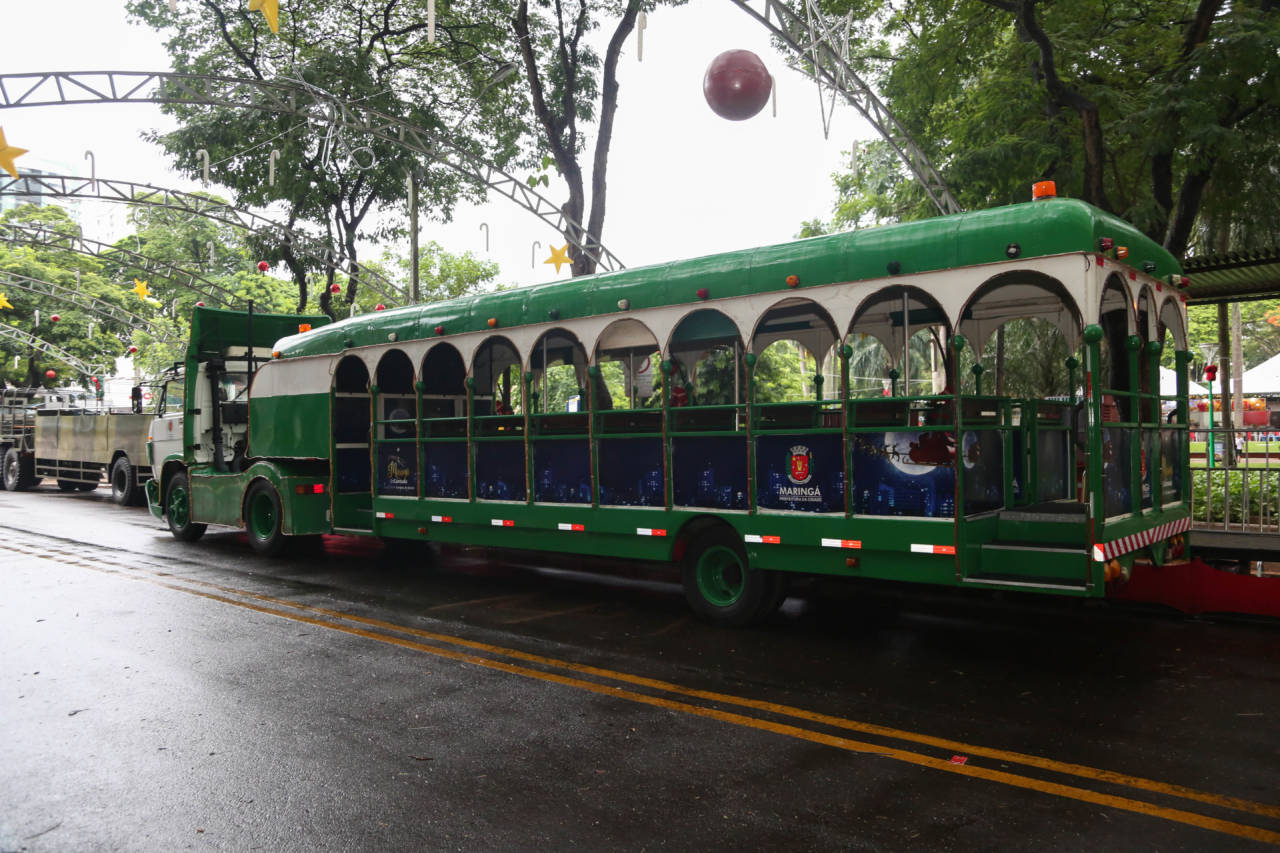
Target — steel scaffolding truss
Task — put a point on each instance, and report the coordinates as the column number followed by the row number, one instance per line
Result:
column 192, row 204
column 93, row 305
column 13, row 234
column 822, row 44
column 53, row 88
column 40, row 345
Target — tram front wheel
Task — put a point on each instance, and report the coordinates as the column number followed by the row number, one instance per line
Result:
column 264, row 520
column 177, row 510
column 720, row 585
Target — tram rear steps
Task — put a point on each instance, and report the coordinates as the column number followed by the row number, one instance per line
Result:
column 1037, row 546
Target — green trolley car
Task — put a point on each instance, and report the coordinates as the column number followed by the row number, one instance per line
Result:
column 625, row 414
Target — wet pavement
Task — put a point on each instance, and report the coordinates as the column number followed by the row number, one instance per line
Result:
column 157, row 695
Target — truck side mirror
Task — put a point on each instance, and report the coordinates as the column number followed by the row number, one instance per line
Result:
column 135, row 397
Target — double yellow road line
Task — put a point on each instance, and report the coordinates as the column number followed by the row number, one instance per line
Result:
column 963, row 759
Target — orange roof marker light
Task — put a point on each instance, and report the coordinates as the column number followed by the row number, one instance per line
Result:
column 304, row 327
column 1043, row 189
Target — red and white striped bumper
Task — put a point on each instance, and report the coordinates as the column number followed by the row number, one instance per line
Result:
column 1125, row 544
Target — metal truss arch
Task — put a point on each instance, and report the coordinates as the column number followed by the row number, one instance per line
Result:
column 64, row 88
column 43, row 346
column 93, row 305
column 12, row 234
column 812, row 39
column 193, row 204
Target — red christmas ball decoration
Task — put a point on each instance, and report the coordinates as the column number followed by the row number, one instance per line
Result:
column 55, row 318
column 263, row 266
column 737, row 85
column 439, row 330
column 335, row 288
column 379, row 307
column 132, row 350
column 50, row 374
column 199, row 304
column 703, row 293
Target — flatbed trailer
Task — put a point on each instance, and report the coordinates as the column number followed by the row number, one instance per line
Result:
column 61, row 436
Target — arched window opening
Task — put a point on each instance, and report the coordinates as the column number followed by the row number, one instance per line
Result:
column 444, row 424
column 496, row 369
column 351, row 433
column 911, row 330
column 789, row 342
column 706, row 353
column 559, row 366
column 396, row 426
column 499, row 430
column 1024, row 358
column 628, row 357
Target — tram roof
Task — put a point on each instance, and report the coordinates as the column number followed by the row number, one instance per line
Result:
column 1046, row 227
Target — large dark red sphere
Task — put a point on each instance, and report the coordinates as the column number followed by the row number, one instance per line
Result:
column 51, row 374
column 737, row 85
column 263, row 266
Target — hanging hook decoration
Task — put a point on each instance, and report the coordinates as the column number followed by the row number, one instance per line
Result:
column 431, row 21
column 93, row 170
column 533, row 254
column 271, row 166
column 203, row 156
column 484, row 226
column 642, row 23
column 209, row 245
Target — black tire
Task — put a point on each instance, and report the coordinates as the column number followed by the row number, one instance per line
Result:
column 125, row 488
column 264, row 519
column 719, row 583
column 19, row 471
column 68, row 486
column 177, row 509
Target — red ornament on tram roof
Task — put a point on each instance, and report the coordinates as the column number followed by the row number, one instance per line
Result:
column 737, row 85
column 380, row 307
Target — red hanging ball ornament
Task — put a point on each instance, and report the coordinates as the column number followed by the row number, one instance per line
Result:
column 50, row 374
column 132, row 350
column 380, row 307
column 199, row 304
column 737, row 85
column 263, row 266
column 335, row 288
column 55, row 318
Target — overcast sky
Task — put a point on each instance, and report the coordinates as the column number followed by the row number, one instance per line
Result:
column 682, row 181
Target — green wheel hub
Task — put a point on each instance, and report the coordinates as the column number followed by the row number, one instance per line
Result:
column 262, row 515
column 721, row 576
column 179, row 506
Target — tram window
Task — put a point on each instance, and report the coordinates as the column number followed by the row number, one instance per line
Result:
column 784, row 373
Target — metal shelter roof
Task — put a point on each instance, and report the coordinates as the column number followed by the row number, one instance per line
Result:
column 1233, row 276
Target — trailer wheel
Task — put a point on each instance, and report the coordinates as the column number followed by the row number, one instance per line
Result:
column 125, row 488
column 177, row 509
column 720, row 585
column 19, row 473
column 264, row 518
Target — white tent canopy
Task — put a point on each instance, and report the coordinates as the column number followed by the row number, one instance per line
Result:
column 1263, row 379
column 1169, row 385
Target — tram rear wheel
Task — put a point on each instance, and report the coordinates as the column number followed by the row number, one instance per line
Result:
column 177, row 510
column 264, row 520
column 719, row 583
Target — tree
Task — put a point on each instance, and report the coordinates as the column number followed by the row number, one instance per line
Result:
column 444, row 275
column 561, row 67
column 1161, row 115
column 372, row 52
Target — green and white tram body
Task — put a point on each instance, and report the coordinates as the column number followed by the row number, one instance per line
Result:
column 399, row 424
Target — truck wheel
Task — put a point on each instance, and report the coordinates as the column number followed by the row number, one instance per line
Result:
column 263, row 519
column 19, row 473
column 720, row 585
column 125, row 488
column 177, row 510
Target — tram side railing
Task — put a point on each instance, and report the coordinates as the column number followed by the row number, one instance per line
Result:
column 1239, row 492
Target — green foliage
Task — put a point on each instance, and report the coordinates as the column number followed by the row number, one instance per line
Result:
column 1220, row 495
column 444, row 275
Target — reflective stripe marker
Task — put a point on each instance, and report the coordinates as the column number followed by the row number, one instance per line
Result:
column 442, row 519
column 576, row 528
column 841, row 543
column 932, row 549
column 762, row 540
column 502, row 522
column 1097, row 554
column 385, row 514
column 650, row 531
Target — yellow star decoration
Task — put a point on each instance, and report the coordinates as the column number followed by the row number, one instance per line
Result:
column 8, row 153
column 559, row 256
column 4, row 301
column 270, row 10
column 140, row 288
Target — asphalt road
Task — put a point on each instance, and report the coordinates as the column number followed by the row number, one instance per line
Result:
column 160, row 696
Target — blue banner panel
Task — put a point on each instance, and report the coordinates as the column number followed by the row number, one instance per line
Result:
column 562, row 471
column 982, row 454
column 800, row 472
column 903, row 473
column 709, row 471
column 397, row 469
column 352, row 467
column 1116, row 467
column 500, row 471
column 444, row 465
column 631, row 472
